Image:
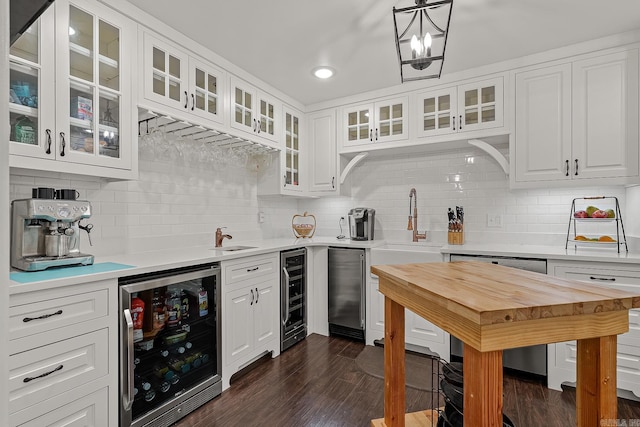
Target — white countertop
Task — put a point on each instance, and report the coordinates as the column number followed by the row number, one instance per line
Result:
column 146, row 262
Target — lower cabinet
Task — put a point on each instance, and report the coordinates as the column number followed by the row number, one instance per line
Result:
column 418, row 331
column 63, row 361
column 251, row 311
column 562, row 356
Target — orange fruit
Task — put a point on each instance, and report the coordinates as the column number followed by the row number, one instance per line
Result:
column 580, row 238
column 606, row 239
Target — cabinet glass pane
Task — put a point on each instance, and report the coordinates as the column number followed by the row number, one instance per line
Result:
column 23, row 104
column 488, row 114
column 364, row 132
column 26, row 47
column 396, row 127
column 81, row 36
column 199, row 78
column 385, row 129
column 429, row 123
column 444, row 103
column 213, row 105
column 247, row 117
column 212, row 86
column 470, row 97
column 158, row 59
column 444, row 121
column 384, row 113
column 175, row 91
column 429, row 105
column 248, row 100
column 159, row 84
column 488, row 94
column 363, row 116
column 174, row 67
column 295, row 126
column 353, row 134
column 396, row 111
column 238, row 114
column 471, row 117
column 81, row 119
column 353, row 118
column 109, row 127
column 109, row 59
column 200, row 97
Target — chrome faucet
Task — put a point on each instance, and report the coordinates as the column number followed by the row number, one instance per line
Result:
column 416, row 236
column 220, row 237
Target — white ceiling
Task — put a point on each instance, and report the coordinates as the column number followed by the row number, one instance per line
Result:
column 281, row 41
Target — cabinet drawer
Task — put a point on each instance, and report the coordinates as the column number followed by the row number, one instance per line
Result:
column 250, row 268
column 46, row 315
column 90, row 410
column 47, row 371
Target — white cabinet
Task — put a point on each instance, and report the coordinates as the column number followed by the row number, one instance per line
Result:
column 63, row 361
column 250, row 312
column 254, row 112
column 287, row 173
column 385, row 120
column 562, row 356
column 189, row 86
column 71, row 94
column 322, row 159
column 578, row 121
column 467, row 107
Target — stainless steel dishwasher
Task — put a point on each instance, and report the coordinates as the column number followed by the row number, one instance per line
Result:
column 532, row 359
column 347, row 292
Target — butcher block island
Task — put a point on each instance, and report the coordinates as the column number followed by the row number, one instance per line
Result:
column 491, row 308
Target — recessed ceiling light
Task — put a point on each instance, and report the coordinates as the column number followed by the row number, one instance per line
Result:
column 323, row 72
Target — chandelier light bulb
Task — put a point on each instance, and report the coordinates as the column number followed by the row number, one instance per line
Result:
column 416, row 46
column 427, row 40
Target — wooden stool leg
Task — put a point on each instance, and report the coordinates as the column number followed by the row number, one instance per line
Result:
column 596, row 398
column 482, row 388
column 394, row 369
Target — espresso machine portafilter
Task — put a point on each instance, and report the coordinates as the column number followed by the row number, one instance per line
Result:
column 46, row 233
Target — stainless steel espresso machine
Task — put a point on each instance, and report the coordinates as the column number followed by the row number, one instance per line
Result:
column 46, row 233
column 362, row 223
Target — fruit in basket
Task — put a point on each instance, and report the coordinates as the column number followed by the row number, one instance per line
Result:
column 581, row 238
column 606, row 239
column 610, row 213
column 580, row 214
column 599, row 214
column 590, row 210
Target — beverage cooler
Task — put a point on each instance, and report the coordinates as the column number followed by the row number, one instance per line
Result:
column 293, row 297
column 170, row 358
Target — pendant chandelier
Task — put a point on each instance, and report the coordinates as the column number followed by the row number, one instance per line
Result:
column 421, row 38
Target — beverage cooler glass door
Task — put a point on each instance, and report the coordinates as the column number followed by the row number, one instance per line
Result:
column 170, row 361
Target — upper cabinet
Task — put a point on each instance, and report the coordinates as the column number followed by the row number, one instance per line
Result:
column 464, row 108
column 323, row 169
column 71, row 112
column 382, row 121
column 254, row 112
column 578, row 121
column 187, row 85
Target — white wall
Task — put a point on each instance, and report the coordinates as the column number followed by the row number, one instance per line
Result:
column 466, row 177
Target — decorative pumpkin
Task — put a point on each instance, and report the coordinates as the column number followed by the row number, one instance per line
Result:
column 303, row 225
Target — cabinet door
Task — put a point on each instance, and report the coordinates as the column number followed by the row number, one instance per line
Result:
column 243, row 116
column 436, row 112
column 206, row 91
column 290, row 156
column 32, row 90
column 605, row 116
column 323, row 172
column 165, row 73
column 480, row 105
column 543, row 124
column 93, row 96
column 391, row 120
column 358, row 124
column 266, row 313
column 268, row 116
column 238, row 309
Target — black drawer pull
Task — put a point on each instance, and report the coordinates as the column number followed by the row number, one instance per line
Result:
column 604, row 279
column 44, row 316
column 26, row 380
column 252, row 269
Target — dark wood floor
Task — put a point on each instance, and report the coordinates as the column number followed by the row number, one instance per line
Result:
column 317, row 383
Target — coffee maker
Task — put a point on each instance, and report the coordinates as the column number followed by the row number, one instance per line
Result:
column 45, row 232
column 361, row 223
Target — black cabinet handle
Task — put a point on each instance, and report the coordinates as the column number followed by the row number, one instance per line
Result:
column 44, row 316
column 257, row 296
column 567, row 164
column 186, row 99
column 333, row 182
column 258, row 127
column 371, row 135
column 460, row 124
column 251, row 297
column 254, row 125
column 64, row 143
column 48, row 131
column 285, row 181
column 249, row 270
column 604, row 279
column 454, row 122
column 193, row 102
column 27, row 379
column 576, row 168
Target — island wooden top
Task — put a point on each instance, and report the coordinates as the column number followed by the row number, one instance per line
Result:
column 494, row 307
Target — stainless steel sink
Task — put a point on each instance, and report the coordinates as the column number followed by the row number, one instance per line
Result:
column 234, row 248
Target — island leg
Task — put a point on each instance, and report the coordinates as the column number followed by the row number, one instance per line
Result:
column 482, row 387
column 596, row 398
column 394, row 369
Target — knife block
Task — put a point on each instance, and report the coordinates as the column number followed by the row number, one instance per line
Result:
column 456, row 237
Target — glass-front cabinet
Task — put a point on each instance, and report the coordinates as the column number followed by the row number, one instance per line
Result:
column 254, row 112
column 382, row 121
column 75, row 108
column 291, row 150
